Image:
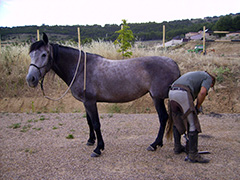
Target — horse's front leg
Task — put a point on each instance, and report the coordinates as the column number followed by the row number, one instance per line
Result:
column 92, row 136
column 91, row 109
column 163, row 117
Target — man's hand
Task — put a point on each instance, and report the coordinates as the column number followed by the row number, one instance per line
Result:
column 199, row 110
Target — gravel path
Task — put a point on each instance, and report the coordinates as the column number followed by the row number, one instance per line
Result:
column 34, row 146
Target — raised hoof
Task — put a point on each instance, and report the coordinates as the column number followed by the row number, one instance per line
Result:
column 95, row 154
column 150, row 148
column 90, row 143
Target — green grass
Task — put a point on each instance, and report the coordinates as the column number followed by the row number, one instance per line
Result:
column 42, row 118
column 70, row 136
column 221, row 73
column 26, row 128
column 15, row 126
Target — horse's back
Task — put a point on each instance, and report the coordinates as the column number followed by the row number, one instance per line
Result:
column 126, row 80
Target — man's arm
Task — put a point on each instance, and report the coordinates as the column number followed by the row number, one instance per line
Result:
column 201, row 96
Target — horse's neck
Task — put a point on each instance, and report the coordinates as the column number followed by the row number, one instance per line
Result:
column 65, row 64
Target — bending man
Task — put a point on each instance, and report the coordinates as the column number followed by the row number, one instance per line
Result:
column 183, row 92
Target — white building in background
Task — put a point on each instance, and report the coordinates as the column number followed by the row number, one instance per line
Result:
column 196, row 35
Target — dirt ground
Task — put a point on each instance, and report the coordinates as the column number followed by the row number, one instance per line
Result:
column 34, row 146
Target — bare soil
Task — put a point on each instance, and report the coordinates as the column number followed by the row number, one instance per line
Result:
column 34, row 146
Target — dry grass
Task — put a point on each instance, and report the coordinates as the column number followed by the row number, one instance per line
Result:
column 224, row 63
column 14, row 62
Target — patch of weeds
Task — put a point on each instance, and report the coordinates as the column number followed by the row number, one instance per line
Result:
column 56, row 110
column 148, row 110
column 84, row 116
column 70, row 136
column 115, row 108
column 15, row 126
column 42, row 118
column 220, row 73
column 30, row 151
column 72, row 130
column 26, row 128
column 77, row 111
column 33, row 107
column 60, row 124
column 54, row 128
column 110, row 115
column 30, row 120
column 37, row 129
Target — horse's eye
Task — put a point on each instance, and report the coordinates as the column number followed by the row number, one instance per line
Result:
column 44, row 55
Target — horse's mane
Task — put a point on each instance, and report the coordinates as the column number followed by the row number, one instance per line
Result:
column 37, row 45
column 41, row 43
column 75, row 49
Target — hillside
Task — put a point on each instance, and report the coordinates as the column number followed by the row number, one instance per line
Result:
column 141, row 31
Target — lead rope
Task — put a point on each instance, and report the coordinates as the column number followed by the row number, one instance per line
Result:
column 74, row 77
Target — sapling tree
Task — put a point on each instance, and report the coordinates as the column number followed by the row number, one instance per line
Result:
column 125, row 39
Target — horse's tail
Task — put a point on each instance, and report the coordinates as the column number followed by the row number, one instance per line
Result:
column 169, row 128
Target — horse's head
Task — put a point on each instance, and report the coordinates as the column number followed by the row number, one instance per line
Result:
column 41, row 61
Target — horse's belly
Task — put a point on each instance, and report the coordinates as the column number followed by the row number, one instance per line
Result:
column 121, row 94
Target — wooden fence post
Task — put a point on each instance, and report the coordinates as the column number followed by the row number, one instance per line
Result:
column 204, row 40
column 164, row 36
column 0, row 44
column 79, row 39
column 38, row 38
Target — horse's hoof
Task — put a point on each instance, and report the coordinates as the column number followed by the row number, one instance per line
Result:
column 90, row 143
column 95, row 154
column 150, row 148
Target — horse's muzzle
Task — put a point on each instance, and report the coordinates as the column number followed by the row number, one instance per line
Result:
column 32, row 80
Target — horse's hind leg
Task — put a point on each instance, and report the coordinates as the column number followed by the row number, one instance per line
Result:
column 163, row 116
column 92, row 136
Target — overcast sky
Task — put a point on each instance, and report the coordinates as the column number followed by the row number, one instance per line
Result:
column 101, row 12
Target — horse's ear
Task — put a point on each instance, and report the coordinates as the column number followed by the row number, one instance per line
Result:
column 45, row 38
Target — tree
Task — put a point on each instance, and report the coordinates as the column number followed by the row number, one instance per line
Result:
column 125, row 39
column 225, row 23
column 236, row 23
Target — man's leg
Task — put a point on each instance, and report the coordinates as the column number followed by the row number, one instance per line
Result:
column 193, row 155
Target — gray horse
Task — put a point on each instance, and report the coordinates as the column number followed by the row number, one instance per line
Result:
column 114, row 81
